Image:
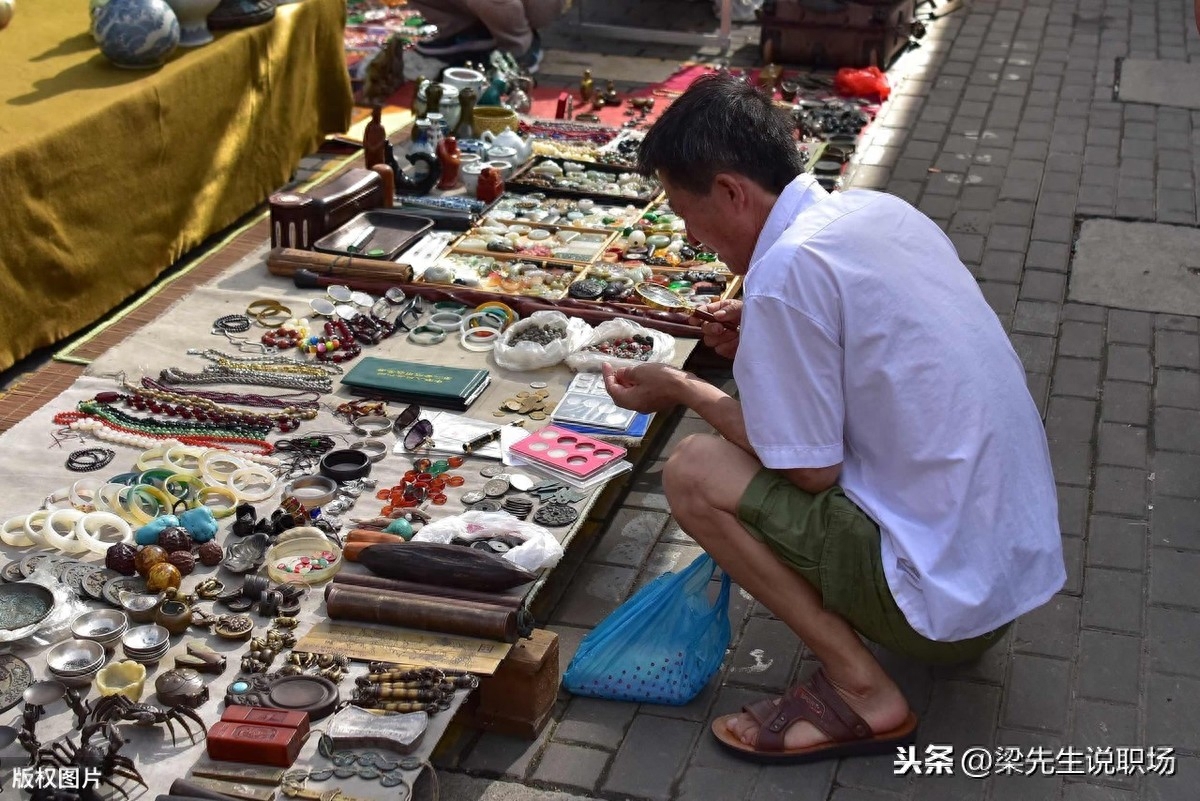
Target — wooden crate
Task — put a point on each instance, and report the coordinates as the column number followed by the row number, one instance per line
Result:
column 519, row 698
column 861, row 34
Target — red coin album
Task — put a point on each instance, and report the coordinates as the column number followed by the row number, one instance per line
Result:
column 562, row 449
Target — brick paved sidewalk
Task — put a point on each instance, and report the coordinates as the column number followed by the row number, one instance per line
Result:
column 1006, row 131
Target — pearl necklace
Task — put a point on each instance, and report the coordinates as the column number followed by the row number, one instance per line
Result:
column 108, row 432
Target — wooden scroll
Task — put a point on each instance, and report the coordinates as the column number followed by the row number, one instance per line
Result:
column 450, row 616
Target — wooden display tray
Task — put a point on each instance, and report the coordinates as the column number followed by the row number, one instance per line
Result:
column 520, row 182
column 456, row 247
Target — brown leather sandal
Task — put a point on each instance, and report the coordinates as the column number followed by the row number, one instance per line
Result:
column 817, row 702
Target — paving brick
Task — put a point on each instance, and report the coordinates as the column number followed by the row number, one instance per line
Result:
column 1122, row 444
column 630, row 536
column 1177, row 429
column 1072, row 510
column 510, row 757
column 1128, row 363
column 595, row 722
column 1173, row 577
column 991, row 667
column 1037, row 693
column 765, row 655
column 1098, row 724
column 860, row 793
column 571, row 766
column 1043, row 285
column 569, row 638
column 669, row 557
column 1017, row 786
column 1108, row 667
column 1085, row 340
column 1125, row 402
column 1113, row 599
column 595, row 591
column 873, row 772
column 1001, row 297
column 1172, row 707
column 652, row 754
column 1070, row 419
column 1036, row 317
column 1176, row 322
column 1116, row 542
column 714, row 784
column 1035, row 352
column 708, row 752
column 1179, row 786
column 1177, row 388
column 1072, row 462
column 1077, row 377
column 1173, row 641
column 1044, row 255
column 646, row 490
column 811, row 782
column 1177, row 349
column 1084, row 312
column 696, row 709
column 1175, row 474
column 1175, row 522
column 1049, row 630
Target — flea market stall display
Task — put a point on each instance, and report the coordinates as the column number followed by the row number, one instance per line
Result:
column 275, row 541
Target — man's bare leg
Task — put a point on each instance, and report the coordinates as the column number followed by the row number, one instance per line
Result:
column 704, row 480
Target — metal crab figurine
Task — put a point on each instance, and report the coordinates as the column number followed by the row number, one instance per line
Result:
column 97, row 751
column 119, row 709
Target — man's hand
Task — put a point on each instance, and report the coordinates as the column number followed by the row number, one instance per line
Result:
column 645, row 387
column 721, row 339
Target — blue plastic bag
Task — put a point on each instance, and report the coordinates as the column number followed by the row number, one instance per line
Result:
column 659, row 647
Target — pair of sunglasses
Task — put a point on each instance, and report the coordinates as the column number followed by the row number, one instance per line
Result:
column 418, row 430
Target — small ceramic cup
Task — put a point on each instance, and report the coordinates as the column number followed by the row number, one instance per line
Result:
column 503, row 166
column 502, row 153
column 495, row 119
column 468, row 158
column 462, row 78
column 469, row 175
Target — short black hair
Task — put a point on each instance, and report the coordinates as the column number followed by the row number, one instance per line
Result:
column 722, row 124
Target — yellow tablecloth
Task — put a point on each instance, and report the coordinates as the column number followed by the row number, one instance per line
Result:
column 108, row 176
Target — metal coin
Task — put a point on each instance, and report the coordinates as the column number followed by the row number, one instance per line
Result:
column 520, row 482
column 345, row 772
column 495, row 487
column 12, row 572
column 499, row 413
column 321, row 775
column 368, row 772
column 486, row 506
column 392, row 780
column 343, row 759
column 239, row 604
column 538, row 385
column 497, row 547
column 32, row 562
column 93, row 583
column 474, row 496
column 537, row 415
column 555, row 514
column 386, row 765
column 542, row 393
column 410, row 763
column 523, row 393
column 491, row 471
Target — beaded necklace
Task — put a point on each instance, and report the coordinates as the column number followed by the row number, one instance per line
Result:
column 170, row 403
column 267, row 364
column 217, row 374
column 100, row 426
column 289, row 403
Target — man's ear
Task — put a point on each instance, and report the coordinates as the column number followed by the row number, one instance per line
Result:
column 731, row 189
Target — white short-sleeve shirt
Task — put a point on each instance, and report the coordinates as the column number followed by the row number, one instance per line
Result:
column 864, row 340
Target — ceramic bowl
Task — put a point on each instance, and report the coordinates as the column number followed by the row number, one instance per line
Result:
column 504, row 167
column 469, row 175
column 124, row 678
column 75, row 658
column 139, row 606
column 104, row 626
column 462, row 78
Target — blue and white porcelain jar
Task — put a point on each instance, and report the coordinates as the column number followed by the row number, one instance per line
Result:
column 136, row 34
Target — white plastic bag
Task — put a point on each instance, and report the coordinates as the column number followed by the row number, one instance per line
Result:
column 590, row 361
column 531, row 355
column 539, row 547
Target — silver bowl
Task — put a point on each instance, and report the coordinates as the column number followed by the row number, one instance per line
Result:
column 105, row 626
column 139, row 606
column 146, row 639
column 75, row 658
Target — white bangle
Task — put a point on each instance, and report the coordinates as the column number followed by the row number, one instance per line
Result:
column 486, row 320
column 35, row 524
column 65, row 542
column 450, row 321
column 102, row 522
column 241, row 481
column 479, row 339
column 83, row 494
column 155, row 457
column 56, row 499
column 375, row 449
column 208, row 465
column 13, row 532
column 184, row 459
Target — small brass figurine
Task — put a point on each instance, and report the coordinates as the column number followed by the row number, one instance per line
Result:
column 586, row 86
column 611, row 98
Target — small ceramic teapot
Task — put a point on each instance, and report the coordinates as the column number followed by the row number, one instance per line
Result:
column 523, row 147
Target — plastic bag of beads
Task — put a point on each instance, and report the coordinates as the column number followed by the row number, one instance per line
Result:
column 621, row 342
column 543, row 339
column 659, row 647
column 535, row 546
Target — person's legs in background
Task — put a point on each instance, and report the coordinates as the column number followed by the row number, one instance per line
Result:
column 460, row 29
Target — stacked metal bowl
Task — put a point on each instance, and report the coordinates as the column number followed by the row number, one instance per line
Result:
column 104, row 626
column 146, row 644
column 75, row 662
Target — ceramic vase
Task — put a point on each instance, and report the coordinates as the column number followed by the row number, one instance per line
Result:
column 136, row 34
column 193, row 20
column 6, row 13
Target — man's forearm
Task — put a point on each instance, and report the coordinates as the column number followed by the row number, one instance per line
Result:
column 718, row 409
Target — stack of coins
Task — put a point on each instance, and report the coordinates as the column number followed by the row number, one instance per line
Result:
column 532, row 402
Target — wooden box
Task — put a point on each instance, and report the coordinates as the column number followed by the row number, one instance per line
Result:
column 299, row 219
column 519, row 697
column 861, row 34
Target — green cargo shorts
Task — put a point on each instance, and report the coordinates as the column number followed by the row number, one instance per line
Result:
column 834, row 545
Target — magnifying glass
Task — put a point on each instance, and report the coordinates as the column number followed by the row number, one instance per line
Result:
column 657, row 296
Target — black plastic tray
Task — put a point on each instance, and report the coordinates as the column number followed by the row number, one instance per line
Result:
column 520, row 183
column 394, row 231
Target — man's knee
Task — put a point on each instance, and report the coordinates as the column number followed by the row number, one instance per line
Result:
column 689, row 467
